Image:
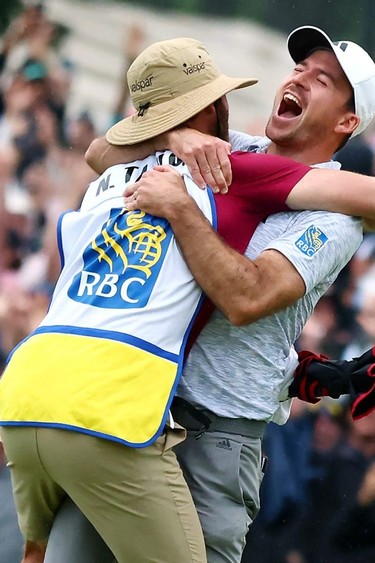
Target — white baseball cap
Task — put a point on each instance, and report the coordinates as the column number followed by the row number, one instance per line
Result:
column 357, row 65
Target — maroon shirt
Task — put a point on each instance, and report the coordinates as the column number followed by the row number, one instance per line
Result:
column 260, row 186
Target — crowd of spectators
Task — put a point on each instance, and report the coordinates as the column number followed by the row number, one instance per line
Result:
column 318, row 494
column 42, row 166
column 42, row 169
column 42, row 174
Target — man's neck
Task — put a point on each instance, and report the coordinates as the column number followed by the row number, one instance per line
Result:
column 305, row 156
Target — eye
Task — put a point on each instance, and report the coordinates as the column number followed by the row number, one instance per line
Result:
column 322, row 81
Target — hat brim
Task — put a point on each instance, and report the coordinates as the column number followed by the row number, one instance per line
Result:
column 163, row 117
column 305, row 39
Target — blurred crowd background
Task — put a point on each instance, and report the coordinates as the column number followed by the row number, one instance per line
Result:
column 318, row 494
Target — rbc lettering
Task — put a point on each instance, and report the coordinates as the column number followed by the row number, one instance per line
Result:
column 107, row 286
column 305, row 248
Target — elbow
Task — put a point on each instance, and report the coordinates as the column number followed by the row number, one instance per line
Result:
column 241, row 314
column 89, row 154
column 238, row 320
column 93, row 154
column 246, row 309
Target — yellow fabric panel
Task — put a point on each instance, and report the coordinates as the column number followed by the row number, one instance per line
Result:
column 91, row 383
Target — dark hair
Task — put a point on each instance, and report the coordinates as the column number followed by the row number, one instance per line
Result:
column 349, row 106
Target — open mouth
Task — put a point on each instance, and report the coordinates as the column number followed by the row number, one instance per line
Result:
column 289, row 107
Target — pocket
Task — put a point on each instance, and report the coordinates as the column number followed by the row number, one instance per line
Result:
column 251, row 475
column 174, row 436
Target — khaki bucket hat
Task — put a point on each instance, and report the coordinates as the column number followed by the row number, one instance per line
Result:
column 170, row 82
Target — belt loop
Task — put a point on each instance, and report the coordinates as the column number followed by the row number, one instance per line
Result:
column 200, row 421
column 201, row 432
column 197, row 415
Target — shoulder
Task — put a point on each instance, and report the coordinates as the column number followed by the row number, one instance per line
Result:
column 335, row 220
column 339, row 235
column 243, row 141
column 265, row 166
column 265, row 160
column 341, row 230
column 337, row 224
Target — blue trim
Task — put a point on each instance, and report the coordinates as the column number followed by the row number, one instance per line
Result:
column 211, row 197
column 109, row 335
column 178, row 359
column 92, row 433
column 180, row 367
column 181, row 356
column 59, row 237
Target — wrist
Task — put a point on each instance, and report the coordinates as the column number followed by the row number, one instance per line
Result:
column 161, row 142
column 183, row 214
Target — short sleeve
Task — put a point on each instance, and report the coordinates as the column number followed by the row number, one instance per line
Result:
column 265, row 181
column 242, row 141
column 319, row 244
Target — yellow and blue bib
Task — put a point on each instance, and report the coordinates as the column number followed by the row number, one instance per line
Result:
column 107, row 358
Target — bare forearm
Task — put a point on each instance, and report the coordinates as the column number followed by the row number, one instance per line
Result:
column 100, row 155
column 243, row 290
column 205, row 156
column 338, row 191
column 226, row 276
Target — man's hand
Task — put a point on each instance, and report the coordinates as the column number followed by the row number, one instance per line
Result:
column 160, row 192
column 206, row 157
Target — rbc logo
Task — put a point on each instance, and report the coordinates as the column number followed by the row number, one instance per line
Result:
column 311, row 241
column 121, row 265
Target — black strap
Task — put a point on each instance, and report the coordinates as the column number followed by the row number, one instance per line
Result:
column 196, row 414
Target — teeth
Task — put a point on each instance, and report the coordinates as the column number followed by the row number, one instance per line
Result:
column 292, row 98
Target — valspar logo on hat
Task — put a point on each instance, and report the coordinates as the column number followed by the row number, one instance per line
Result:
column 170, row 82
column 357, row 65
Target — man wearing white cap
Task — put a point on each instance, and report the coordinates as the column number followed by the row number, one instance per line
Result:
column 234, row 379
column 246, row 380
column 84, row 400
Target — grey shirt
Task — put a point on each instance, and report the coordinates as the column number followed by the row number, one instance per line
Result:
column 245, row 371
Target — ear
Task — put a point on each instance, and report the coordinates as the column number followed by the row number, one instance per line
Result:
column 347, row 124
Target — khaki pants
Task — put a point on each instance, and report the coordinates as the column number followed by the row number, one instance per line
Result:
column 136, row 498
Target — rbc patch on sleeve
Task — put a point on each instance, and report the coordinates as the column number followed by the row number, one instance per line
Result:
column 311, row 241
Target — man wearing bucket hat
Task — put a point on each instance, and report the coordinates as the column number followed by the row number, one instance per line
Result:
column 328, row 98
column 354, row 61
column 109, row 353
column 102, row 314
column 169, row 91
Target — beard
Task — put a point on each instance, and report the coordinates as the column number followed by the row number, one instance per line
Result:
column 222, row 122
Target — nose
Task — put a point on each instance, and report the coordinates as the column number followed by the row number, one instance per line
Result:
column 302, row 78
